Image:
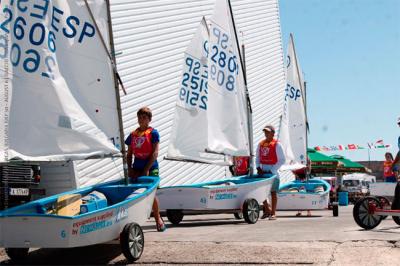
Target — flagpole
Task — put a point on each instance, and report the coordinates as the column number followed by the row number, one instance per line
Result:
column 369, row 158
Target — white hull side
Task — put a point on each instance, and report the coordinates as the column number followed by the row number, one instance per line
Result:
column 302, row 201
column 58, row 232
column 382, row 189
column 213, row 197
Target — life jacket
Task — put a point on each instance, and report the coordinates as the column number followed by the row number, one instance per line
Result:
column 241, row 165
column 141, row 143
column 267, row 152
column 387, row 169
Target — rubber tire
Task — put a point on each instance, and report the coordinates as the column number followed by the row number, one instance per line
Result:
column 238, row 215
column 17, row 254
column 132, row 253
column 251, row 211
column 362, row 205
column 384, row 202
column 175, row 216
column 335, row 210
column 396, row 206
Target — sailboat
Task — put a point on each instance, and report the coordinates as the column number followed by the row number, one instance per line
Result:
column 212, row 121
column 310, row 194
column 58, row 104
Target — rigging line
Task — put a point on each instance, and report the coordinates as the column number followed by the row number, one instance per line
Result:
column 105, row 47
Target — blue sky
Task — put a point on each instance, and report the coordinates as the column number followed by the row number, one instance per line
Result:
column 349, row 51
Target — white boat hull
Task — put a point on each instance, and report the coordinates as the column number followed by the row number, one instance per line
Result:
column 385, row 189
column 214, row 197
column 304, row 200
column 21, row 230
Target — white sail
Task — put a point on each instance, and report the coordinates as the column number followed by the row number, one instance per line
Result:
column 210, row 115
column 228, row 128
column 293, row 130
column 190, row 129
column 56, row 82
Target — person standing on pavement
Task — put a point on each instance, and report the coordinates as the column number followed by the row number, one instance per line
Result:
column 388, row 173
column 269, row 158
column 396, row 200
column 301, row 175
column 397, row 159
column 143, row 144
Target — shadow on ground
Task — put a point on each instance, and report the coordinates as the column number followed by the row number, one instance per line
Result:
column 94, row 255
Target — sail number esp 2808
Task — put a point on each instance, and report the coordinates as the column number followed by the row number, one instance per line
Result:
column 217, row 62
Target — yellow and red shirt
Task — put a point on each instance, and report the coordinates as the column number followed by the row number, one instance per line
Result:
column 387, row 169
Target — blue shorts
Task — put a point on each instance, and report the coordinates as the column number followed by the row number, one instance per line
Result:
column 275, row 185
column 390, row 179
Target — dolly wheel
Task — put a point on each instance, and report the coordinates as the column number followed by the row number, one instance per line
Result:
column 238, row 215
column 335, row 209
column 17, row 254
column 385, row 203
column 251, row 211
column 175, row 216
column 396, row 206
column 363, row 213
column 132, row 241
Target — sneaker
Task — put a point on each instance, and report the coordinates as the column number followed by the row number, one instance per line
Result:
column 265, row 215
column 161, row 227
column 272, row 217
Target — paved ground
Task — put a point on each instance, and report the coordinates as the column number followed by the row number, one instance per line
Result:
column 220, row 239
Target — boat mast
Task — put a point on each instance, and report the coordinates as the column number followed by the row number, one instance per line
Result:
column 117, row 79
column 304, row 99
column 248, row 103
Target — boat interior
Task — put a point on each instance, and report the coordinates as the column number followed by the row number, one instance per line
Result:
column 309, row 186
column 85, row 200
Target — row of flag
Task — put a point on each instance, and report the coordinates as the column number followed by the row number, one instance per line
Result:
column 379, row 144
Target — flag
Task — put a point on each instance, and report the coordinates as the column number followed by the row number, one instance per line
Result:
column 352, row 146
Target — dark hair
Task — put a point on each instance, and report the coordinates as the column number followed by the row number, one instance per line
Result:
column 145, row 111
column 390, row 154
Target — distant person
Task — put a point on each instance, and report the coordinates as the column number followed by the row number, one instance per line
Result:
column 388, row 173
column 301, row 176
column 143, row 143
column 240, row 165
column 269, row 158
column 396, row 200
